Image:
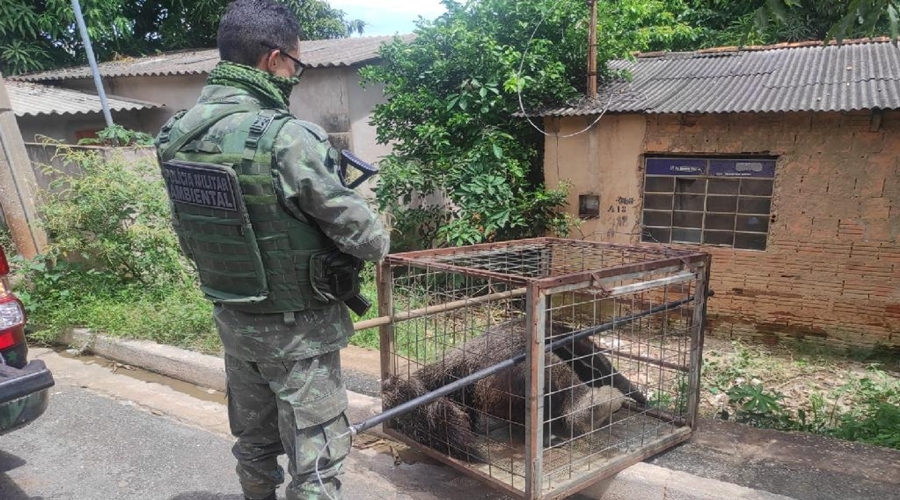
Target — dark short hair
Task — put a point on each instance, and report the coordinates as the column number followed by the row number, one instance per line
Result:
column 251, row 28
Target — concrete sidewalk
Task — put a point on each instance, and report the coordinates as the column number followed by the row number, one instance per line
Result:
column 723, row 460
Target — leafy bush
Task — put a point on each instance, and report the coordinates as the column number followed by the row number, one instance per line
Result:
column 39, row 35
column 112, row 219
column 119, row 136
column 758, row 407
column 113, row 262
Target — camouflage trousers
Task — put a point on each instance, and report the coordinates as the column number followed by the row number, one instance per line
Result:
column 292, row 408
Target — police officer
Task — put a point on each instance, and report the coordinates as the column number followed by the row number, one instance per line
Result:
column 260, row 208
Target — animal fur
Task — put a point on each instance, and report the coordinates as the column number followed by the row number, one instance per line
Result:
column 582, row 390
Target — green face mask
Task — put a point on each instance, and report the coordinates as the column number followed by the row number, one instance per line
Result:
column 272, row 88
column 285, row 86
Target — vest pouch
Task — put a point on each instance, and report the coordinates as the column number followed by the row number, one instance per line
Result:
column 334, row 275
column 213, row 221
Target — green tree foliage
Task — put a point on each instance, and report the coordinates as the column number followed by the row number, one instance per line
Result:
column 463, row 169
column 320, row 21
column 41, row 34
column 730, row 22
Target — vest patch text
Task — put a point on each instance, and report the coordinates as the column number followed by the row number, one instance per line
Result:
column 199, row 185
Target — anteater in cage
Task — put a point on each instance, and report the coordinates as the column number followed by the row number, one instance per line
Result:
column 582, row 390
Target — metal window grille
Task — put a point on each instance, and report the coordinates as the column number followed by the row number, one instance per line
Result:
column 711, row 201
column 544, row 429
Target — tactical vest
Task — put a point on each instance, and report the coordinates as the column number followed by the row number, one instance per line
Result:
column 252, row 248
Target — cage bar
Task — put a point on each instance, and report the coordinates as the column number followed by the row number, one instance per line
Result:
column 611, row 336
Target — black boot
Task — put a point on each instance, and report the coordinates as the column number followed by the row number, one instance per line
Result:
column 270, row 497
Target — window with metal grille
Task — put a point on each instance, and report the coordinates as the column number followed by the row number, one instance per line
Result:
column 710, row 201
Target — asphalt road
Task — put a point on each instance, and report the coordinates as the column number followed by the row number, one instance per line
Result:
column 109, row 436
column 91, row 447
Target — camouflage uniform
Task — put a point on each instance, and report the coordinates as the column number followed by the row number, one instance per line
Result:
column 285, row 390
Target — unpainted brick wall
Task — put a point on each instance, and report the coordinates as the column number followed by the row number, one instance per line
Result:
column 832, row 268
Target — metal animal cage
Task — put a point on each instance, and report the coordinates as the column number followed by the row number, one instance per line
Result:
column 603, row 348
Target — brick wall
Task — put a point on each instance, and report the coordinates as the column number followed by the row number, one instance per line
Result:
column 832, row 267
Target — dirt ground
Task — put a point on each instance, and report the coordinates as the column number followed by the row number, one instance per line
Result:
column 798, row 372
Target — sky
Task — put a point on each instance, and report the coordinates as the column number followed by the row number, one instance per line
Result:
column 389, row 17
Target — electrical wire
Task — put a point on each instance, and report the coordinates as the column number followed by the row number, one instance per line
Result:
column 319, row 459
column 519, row 86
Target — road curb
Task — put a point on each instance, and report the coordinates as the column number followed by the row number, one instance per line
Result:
column 652, row 482
column 180, row 364
column 187, row 366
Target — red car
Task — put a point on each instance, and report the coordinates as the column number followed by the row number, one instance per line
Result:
column 23, row 386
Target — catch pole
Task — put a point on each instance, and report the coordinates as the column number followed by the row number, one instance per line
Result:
column 503, row 365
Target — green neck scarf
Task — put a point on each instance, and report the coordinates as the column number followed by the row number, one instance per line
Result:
column 273, row 90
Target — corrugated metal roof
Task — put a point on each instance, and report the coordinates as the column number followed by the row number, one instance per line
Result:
column 316, row 53
column 862, row 74
column 35, row 100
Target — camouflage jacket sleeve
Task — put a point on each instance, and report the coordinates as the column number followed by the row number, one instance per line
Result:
column 311, row 182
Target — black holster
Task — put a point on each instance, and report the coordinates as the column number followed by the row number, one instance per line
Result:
column 335, row 277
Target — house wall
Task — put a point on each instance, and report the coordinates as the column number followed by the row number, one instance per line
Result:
column 334, row 99
column 362, row 107
column 64, row 127
column 831, row 270
column 364, row 136
column 42, row 156
column 322, row 98
column 174, row 92
column 614, row 150
column 329, row 97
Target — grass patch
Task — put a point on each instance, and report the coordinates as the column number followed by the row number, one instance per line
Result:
column 176, row 315
column 181, row 318
column 64, row 296
column 820, row 390
column 852, row 394
column 414, row 339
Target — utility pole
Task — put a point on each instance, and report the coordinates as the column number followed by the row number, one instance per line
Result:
column 17, row 183
column 592, row 52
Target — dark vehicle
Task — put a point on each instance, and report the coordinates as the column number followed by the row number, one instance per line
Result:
column 23, row 386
